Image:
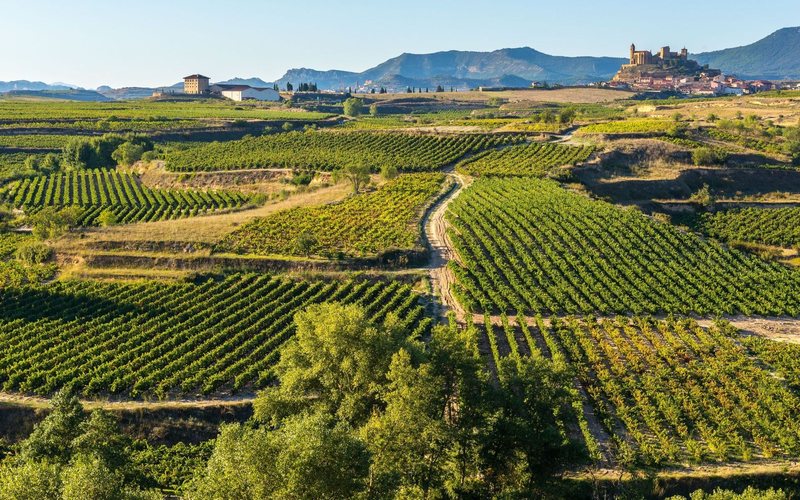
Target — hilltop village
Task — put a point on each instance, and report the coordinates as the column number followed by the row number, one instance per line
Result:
column 667, row 71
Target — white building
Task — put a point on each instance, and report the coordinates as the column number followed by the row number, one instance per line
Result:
column 244, row 92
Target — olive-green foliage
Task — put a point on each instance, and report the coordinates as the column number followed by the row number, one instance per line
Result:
column 397, row 418
column 749, row 493
column 128, row 153
column 709, row 156
column 354, row 106
column 49, row 223
column 98, row 152
column 308, row 456
column 71, row 455
column 33, row 252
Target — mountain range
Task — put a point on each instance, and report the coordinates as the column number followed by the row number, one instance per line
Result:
column 776, row 57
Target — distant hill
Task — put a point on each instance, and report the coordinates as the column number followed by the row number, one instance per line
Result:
column 461, row 69
column 776, row 57
column 68, row 95
column 28, row 85
column 253, row 82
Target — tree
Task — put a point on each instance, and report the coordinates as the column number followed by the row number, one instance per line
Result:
column 72, row 455
column 31, row 164
column 524, row 445
column 439, row 88
column 389, row 172
column 50, row 164
column 409, row 440
column 127, row 153
column 353, row 106
column 107, row 218
column 337, row 361
column 49, row 223
column 373, row 109
column 357, row 175
column 33, row 252
column 306, row 242
column 289, row 87
column 307, row 456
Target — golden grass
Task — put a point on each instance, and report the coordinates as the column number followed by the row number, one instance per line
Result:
column 204, row 229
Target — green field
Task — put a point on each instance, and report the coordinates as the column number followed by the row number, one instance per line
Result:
column 534, row 159
column 152, row 338
column 530, row 245
column 122, row 193
column 333, row 150
column 362, row 225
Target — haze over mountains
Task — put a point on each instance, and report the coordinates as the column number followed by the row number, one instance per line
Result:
column 775, row 57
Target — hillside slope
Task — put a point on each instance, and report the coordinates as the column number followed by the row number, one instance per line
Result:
column 775, row 57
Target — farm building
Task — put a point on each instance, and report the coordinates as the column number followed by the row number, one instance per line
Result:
column 244, row 92
column 195, row 84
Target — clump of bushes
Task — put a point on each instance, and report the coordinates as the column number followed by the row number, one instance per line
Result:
column 709, row 156
column 33, row 252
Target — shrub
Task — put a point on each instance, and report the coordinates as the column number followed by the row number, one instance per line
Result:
column 709, row 156
column 33, row 252
column 353, row 106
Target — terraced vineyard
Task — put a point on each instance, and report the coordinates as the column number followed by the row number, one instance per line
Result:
column 771, row 226
column 333, row 150
column 97, row 190
column 628, row 126
column 534, row 159
column 530, row 245
column 155, row 338
column 364, row 224
column 669, row 391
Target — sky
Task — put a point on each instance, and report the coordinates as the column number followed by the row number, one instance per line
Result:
column 157, row 42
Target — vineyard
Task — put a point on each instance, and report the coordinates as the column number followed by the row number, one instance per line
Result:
column 667, row 391
column 34, row 141
column 629, row 126
column 20, row 112
column 530, row 245
column 333, row 150
column 364, row 224
column 152, row 338
column 536, row 159
column 770, row 226
column 97, row 190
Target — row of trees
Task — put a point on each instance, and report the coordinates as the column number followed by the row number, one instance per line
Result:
column 108, row 149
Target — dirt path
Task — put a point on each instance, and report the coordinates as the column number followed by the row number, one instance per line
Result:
column 781, row 329
column 442, row 252
column 129, row 405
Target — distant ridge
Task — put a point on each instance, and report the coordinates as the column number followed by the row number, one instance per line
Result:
column 29, row 85
column 463, row 69
column 776, row 57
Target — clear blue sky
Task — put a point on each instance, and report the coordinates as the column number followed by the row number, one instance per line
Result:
column 155, row 42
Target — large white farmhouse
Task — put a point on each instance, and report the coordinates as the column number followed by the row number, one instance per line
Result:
column 245, row 92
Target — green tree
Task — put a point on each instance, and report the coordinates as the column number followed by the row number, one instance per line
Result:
column 33, row 252
column 306, row 243
column 389, row 172
column 107, row 218
column 373, row 109
column 337, row 360
column 353, row 106
column 409, row 440
column 30, row 480
column 307, row 456
column 127, row 153
column 50, row 164
column 357, row 175
column 50, row 223
column 52, row 438
column 525, row 444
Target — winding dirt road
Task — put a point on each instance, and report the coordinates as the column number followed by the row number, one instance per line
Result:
column 442, row 252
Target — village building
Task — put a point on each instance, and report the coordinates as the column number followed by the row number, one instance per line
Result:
column 195, row 84
column 245, row 92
